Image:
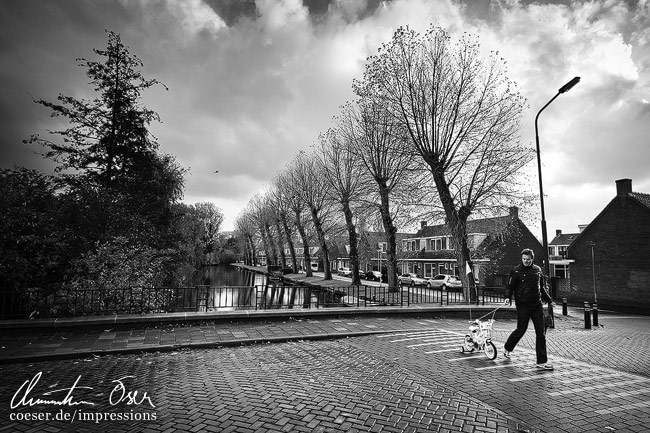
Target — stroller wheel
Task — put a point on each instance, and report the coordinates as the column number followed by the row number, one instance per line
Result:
column 490, row 350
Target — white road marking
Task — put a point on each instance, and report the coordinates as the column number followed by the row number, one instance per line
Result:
column 639, row 405
column 600, row 386
column 456, row 349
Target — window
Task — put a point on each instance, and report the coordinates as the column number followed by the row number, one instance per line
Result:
column 562, row 271
column 444, row 244
column 438, row 244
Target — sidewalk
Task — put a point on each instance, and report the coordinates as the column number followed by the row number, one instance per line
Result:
column 39, row 340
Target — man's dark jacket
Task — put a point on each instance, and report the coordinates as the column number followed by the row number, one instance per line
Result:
column 528, row 284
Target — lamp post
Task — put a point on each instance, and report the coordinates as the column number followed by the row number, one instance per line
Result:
column 563, row 89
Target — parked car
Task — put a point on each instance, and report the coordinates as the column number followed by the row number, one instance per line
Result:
column 446, row 282
column 345, row 272
column 373, row 275
column 410, row 279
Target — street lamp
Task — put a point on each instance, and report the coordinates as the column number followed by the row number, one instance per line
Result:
column 563, row 89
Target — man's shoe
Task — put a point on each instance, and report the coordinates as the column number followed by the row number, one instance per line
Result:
column 506, row 353
column 545, row 366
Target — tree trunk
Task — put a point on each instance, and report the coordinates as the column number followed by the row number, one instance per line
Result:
column 292, row 249
column 283, row 256
column 354, row 248
column 318, row 225
column 457, row 223
column 265, row 243
column 274, row 252
column 251, row 246
column 391, row 246
column 306, row 257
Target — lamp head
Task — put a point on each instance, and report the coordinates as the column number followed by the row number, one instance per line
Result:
column 569, row 85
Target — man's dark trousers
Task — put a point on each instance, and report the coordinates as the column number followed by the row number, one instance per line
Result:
column 524, row 314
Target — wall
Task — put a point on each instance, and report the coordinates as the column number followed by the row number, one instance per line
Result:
column 621, row 237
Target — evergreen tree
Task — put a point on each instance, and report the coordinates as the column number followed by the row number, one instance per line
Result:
column 107, row 150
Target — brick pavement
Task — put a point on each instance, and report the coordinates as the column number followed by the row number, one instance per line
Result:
column 340, row 385
column 304, row 386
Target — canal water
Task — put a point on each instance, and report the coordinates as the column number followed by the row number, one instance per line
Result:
column 226, row 287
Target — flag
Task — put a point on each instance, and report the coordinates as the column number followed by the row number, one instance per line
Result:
column 468, row 270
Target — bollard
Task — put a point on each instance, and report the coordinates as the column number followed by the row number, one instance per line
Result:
column 587, row 316
column 564, row 307
column 595, row 310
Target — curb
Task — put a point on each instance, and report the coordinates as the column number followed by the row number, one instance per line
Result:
column 194, row 346
column 243, row 315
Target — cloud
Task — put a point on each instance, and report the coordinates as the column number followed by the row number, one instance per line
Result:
column 251, row 83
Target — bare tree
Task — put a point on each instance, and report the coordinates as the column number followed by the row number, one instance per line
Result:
column 377, row 142
column 260, row 214
column 313, row 192
column 245, row 226
column 462, row 116
column 343, row 175
column 282, row 204
column 292, row 192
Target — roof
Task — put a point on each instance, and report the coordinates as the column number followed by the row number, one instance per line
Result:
column 564, row 239
column 642, row 198
column 639, row 197
column 484, row 225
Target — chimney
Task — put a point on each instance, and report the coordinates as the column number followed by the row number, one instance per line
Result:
column 514, row 212
column 558, row 232
column 581, row 227
column 423, row 224
column 623, row 187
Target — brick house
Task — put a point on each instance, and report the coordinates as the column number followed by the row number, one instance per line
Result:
column 495, row 246
column 611, row 256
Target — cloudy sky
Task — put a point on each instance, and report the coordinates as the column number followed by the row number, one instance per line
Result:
column 251, row 82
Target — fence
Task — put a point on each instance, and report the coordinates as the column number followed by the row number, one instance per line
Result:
column 34, row 303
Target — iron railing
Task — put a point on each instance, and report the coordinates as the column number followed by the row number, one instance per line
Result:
column 34, row 303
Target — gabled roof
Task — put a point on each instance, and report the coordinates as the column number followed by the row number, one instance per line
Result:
column 564, row 239
column 639, row 197
column 485, row 225
column 642, row 198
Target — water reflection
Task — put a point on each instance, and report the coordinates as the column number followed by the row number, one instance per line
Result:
column 225, row 287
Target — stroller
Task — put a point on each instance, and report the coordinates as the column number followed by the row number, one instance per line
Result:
column 480, row 336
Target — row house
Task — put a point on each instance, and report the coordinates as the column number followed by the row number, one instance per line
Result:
column 609, row 258
column 557, row 253
column 495, row 246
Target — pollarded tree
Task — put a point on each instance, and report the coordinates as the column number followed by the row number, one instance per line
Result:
column 307, row 173
column 246, row 233
column 108, row 147
column 292, row 195
column 462, row 115
column 344, row 177
column 377, row 142
column 282, row 205
column 260, row 213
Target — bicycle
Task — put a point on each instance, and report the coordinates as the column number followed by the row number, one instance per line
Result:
column 480, row 336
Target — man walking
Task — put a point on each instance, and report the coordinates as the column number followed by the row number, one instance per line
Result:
column 528, row 284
